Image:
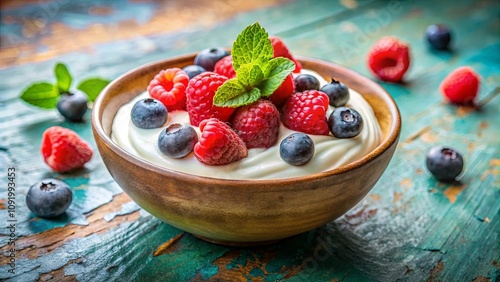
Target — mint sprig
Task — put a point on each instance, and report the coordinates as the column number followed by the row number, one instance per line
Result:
column 258, row 73
column 45, row 94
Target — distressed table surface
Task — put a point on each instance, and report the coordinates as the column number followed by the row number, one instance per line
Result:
column 409, row 228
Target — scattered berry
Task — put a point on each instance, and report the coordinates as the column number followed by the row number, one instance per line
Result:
column 257, row 124
column 63, row 150
column 200, row 94
column 169, row 86
column 337, row 92
column 225, row 67
column 306, row 112
column 149, row 113
column 73, row 105
column 49, row 198
column 193, row 70
column 280, row 50
column 444, row 163
column 461, row 86
column 207, row 58
column 177, row 140
column 218, row 144
column 438, row 36
column 305, row 82
column 389, row 59
column 345, row 122
column 297, row 149
column 286, row 89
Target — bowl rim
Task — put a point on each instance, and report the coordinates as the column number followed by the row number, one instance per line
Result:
column 391, row 138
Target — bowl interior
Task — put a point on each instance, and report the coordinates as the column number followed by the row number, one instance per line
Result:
column 124, row 88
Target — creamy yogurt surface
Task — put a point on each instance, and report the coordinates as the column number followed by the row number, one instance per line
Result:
column 330, row 152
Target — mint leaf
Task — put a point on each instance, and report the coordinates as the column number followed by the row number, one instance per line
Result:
column 233, row 94
column 92, row 87
column 252, row 46
column 63, row 77
column 43, row 95
column 275, row 73
column 245, row 98
column 249, row 75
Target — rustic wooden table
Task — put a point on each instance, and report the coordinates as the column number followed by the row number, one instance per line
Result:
column 409, row 228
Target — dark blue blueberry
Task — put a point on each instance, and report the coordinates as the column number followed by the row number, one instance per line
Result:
column 177, row 140
column 297, row 149
column 438, row 36
column 73, row 105
column 337, row 93
column 345, row 122
column 444, row 163
column 209, row 57
column 149, row 113
column 193, row 70
column 305, row 82
column 49, row 198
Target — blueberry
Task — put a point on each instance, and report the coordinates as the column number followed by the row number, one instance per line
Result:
column 297, row 149
column 193, row 70
column 73, row 105
column 444, row 163
column 438, row 36
column 345, row 122
column 209, row 57
column 177, row 140
column 149, row 113
column 305, row 82
column 49, row 197
column 337, row 93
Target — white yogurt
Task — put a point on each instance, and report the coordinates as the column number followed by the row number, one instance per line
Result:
column 330, row 152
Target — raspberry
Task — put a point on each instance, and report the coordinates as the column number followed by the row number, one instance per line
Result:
column 286, row 89
column 225, row 67
column 218, row 144
column 306, row 112
column 169, row 86
column 280, row 50
column 389, row 59
column 200, row 94
column 461, row 85
column 257, row 124
column 63, row 150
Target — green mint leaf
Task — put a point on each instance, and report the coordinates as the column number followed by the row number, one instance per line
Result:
column 92, row 87
column 246, row 98
column 252, row 46
column 233, row 94
column 43, row 95
column 249, row 75
column 63, row 77
column 275, row 73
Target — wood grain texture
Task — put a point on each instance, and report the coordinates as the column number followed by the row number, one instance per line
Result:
column 409, row 228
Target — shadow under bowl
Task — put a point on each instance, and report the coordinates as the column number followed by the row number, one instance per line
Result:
column 243, row 212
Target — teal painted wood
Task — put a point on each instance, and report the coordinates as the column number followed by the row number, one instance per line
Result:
column 410, row 227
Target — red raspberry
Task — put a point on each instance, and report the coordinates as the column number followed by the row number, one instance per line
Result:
column 225, row 67
column 218, row 144
column 63, row 150
column 169, row 86
column 286, row 89
column 200, row 94
column 306, row 112
column 257, row 124
column 280, row 50
column 461, row 85
column 389, row 59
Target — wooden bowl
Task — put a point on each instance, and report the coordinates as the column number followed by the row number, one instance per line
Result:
column 243, row 212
